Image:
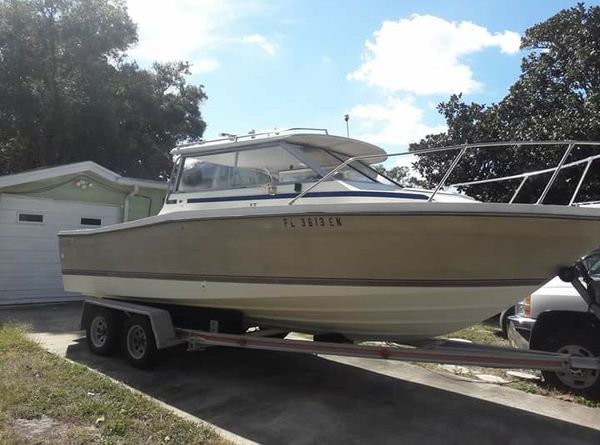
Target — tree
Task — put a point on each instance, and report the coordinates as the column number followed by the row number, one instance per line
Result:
column 401, row 174
column 68, row 92
column 556, row 97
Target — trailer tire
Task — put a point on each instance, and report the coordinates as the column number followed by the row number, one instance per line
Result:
column 102, row 331
column 138, row 342
column 578, row 342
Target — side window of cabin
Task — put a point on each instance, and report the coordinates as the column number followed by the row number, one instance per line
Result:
column 248, row 177
column 244, row 169
column 197, row 175
column 203, row 173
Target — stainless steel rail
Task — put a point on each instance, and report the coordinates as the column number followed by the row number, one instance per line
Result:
column 581, row 179
column 447, row 174
column 466, row 147
column 555, row 174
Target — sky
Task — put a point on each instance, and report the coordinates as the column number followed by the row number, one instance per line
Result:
column 307, row 63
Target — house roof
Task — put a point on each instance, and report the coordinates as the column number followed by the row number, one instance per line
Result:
column 75, row 169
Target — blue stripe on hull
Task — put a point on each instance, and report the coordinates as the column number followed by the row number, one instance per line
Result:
column 311, row 195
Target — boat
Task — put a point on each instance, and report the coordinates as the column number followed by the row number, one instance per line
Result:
column 296, row 230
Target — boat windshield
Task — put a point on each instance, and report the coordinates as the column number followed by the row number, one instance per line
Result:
column 356, row 171
column 274, row 165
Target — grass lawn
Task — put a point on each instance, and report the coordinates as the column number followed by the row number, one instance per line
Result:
column 482, row 333
column 45, row 399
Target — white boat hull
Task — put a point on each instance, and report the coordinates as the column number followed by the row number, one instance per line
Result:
column 358, row 312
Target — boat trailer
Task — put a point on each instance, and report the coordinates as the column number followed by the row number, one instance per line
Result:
column 144, row 330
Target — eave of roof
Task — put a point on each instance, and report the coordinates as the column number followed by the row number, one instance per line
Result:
column 74, row 169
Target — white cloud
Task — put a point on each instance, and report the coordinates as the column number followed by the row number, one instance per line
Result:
column 406, row 161
column 397, row 122
column 261, row 41
column 422, row 55
column 204, row 66
column 189, row 29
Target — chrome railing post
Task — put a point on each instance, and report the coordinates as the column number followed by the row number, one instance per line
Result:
column 448, row 172
column 580, row 183
column 522, row 183
column 324, row 178
column 555, row 174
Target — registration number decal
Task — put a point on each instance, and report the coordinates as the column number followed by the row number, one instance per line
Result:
column 312, row 221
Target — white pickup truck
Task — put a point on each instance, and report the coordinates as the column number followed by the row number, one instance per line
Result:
column 556, row 318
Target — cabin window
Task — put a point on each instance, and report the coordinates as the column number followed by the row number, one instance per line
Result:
column 274, row 164
column 91, row 222
column 31, row 218
column 243, row 169
column 197, row 175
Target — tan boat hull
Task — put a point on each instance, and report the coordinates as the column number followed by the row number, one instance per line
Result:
column 366, row 275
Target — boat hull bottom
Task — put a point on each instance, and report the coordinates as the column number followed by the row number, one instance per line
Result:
column 357, row 312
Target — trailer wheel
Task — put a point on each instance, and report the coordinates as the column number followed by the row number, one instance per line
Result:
column 138, row 343
column 579, row 342
column 102, row 331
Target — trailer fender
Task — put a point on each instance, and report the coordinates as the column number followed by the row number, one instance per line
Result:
column 160, row 319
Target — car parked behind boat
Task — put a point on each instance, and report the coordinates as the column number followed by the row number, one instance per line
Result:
column 555, row 318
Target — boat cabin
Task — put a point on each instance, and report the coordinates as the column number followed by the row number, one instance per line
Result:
column 254, row 170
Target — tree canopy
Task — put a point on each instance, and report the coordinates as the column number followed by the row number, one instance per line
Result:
column 556, row 97
column 69, row 93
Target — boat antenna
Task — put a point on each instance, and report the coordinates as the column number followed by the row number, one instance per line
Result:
column 347, row 118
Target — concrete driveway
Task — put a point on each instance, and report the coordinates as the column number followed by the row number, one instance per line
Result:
column 274, row 397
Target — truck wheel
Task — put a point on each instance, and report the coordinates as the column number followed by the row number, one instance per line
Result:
column 579, row 342
column 138, row 343
column 102, row 332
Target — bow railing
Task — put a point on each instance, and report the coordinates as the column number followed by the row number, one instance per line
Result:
column 464, row 148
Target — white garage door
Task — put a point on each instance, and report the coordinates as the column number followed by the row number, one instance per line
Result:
column 29, row 260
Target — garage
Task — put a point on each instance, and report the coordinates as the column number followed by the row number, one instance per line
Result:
column 36, row 205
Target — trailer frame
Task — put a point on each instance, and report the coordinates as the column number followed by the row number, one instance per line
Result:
column 164, row 334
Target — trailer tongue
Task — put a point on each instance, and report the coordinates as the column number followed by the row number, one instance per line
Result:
column 446, row 352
